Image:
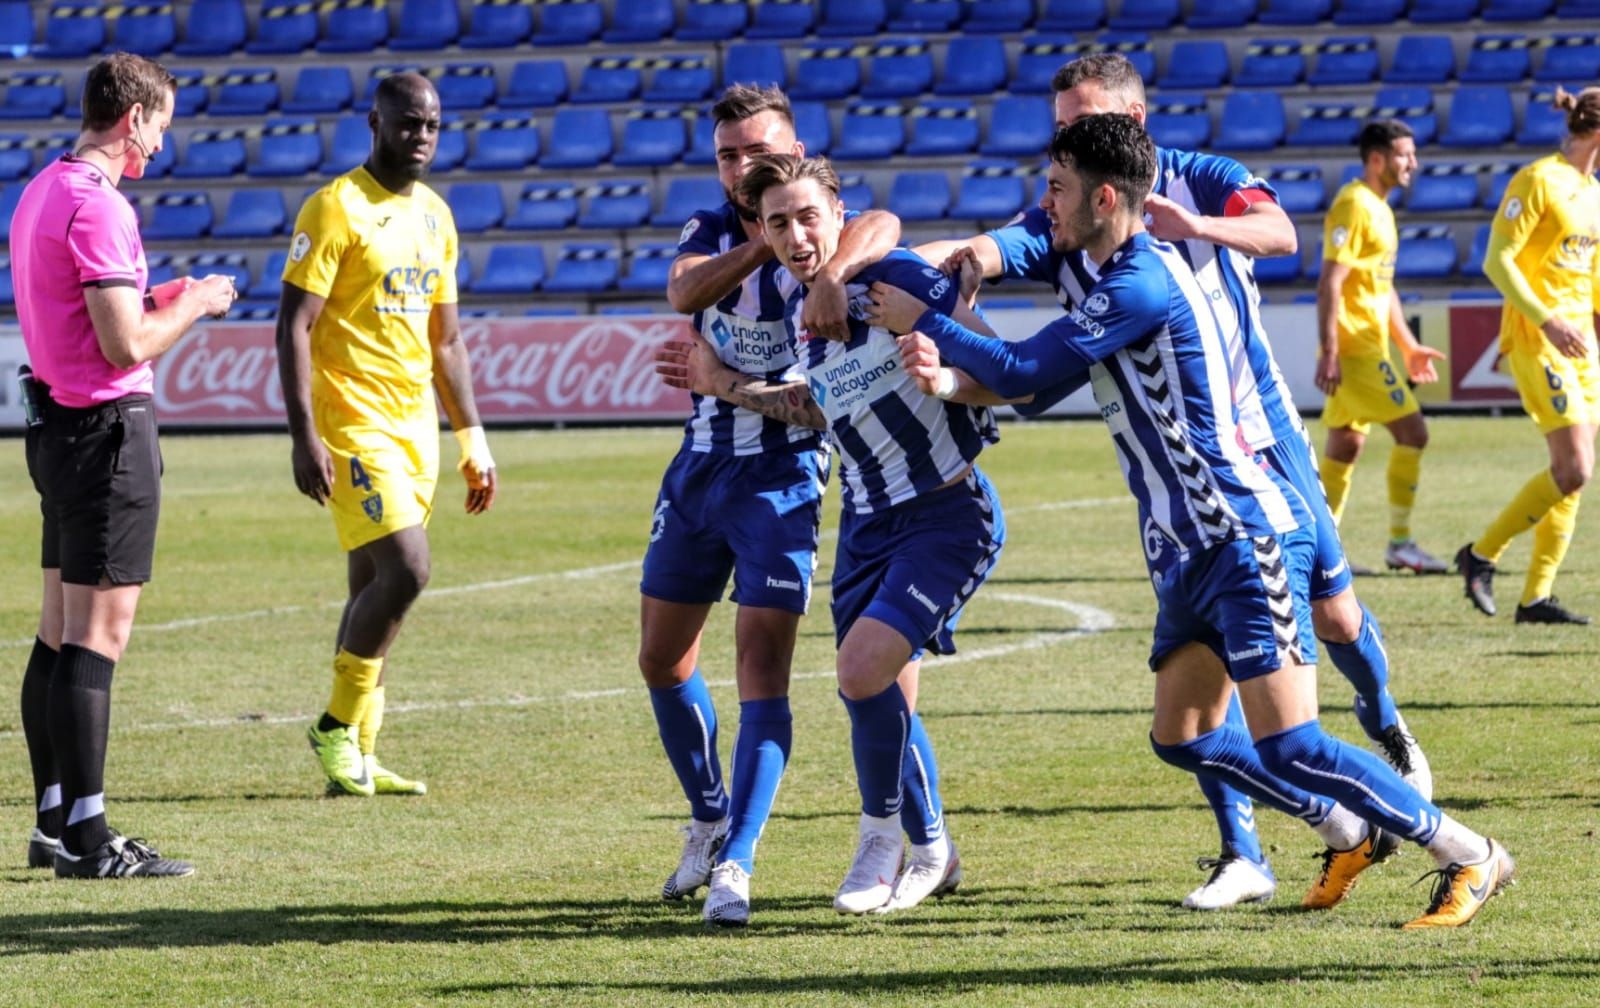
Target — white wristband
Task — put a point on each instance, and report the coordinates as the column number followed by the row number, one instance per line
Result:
column 474, row 448
column 947, row 384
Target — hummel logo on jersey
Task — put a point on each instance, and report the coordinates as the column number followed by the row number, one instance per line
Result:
column 925, row 600
column 773, row 582
column 1332, row 572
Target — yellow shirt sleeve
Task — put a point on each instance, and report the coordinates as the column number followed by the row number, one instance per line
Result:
column 321, row 235
column 1520, row 211
column 1343, row 234
column 445, row 292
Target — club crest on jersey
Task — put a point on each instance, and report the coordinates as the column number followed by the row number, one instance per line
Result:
column 688, row 230
column 1097, row 303
column 432, row 223
column 373, row 506
column 300, row 246
column 1339, row 236
column 1513, row 208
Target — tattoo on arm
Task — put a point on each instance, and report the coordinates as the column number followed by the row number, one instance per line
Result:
column 790, row 403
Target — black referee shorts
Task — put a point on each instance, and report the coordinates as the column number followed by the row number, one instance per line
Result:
column 98, row 473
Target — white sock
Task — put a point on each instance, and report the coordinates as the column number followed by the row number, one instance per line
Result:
column 888, row 826
column 1453, row 843
column 1342, row 830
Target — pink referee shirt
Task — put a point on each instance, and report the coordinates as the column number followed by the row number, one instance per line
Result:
column 73, row 229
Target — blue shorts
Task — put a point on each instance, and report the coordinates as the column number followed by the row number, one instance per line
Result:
column 752, row 516
column 1246, row 600
column 914, row 565
column 1330, row 572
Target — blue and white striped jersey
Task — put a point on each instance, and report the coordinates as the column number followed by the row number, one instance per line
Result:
column 894, row 442
column 749, row 331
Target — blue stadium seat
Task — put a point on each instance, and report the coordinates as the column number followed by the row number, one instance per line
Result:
column 1038, row 59
column 1071, row 15
column 375, row 76
column 1178, row 120
column 1221, row 14
column 427, row 25
column 1327, row 124
column 1251, row 120
column 160, row 266
column 1443, row 11
column 781, row 19
column 812, row 127
column 684, row 79
column 1135, row 46
column 1196, row 63
column 759, row 63
column 288, row 147
column 165, row 159
column 851, row 18
column 1442, row 187
column 511, row 269
column 352, row 142
column 282, row 26
column 1277, row 269
column 989, row 191
column 685, row 195
column 193, row 94
column 1299, row 188
column 33, row 94
column 177, row 216
column 616, row 204
column 1543, row 125
column 1426, row 253
column 212, row 154
column 579, row 138
column 494, row 25
column 146, row 29
column 476, row 206
column 505, row 141
column 16, row 28
column 320, row 90
column 1274, row 62
column 73, row 30
column 451, row 152
column 1412, row 106
column 229, row 264
column 608, row 79
column 943, row 127
column 711, row 21
column 919, row 195
column 702, row 150
column 1422, row 59
column 584, row 268
column 1473, row 267
column 1480, row 116
column 998, row 17
column 651, row 137
column 1498, row 181
column 1369, row 12
column 645, row 21
column 8, row 206
column 973, row 66
column 213, row 28
column 1570, row 58
column 16, row 155
column 245, row 93
column 1516, row 10
column 567, row 24
column 1497, row 58
column 463, row 86
column 253, row 213
column 1294, row 12
column 1578, row 10
column 855, row 192
column 926, row 16
column 1019, row 126
column 1146, row 14
column 870, row 133
column 1345, row 59
column 825, row 72
column 269, row 282
column 898, row 68
column 535, row 84
column 649, row 266
column 544, row 206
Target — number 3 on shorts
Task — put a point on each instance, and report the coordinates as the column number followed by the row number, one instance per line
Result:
column 358, row 475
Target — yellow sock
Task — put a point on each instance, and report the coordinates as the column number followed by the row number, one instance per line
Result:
column 1536, row 497
column 1550, row 540
column 1405, row 466
column 354, row 679
column 371, row 721
column 1336, row 477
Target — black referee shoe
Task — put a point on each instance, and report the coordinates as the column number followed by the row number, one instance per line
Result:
column 119, row 857
column 42, row 849
column 1548, row 610
column 1479, row 576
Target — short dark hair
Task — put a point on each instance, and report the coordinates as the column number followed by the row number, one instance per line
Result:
column 1109, row 149
column 1379, row 135
column 399, row 86
column 118, row 83
column 768, row 171
column 742, row 101
column 1113, row 71
column 1582, row 109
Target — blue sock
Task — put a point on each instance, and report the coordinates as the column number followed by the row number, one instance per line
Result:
column 688, row 725
column 1358, row 780
column 878, row 734
column 1366, row 664
column 759, row 754
column 1227, row 753
column 922, row 815
column 1235, row 815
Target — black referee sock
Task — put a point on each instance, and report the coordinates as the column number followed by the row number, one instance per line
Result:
column 80, row 716
column 36, row 729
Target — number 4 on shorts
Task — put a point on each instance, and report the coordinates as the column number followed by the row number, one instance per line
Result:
column 358, row 475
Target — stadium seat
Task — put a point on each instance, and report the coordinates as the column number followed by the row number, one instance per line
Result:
column 781, row 19
column 494, row 25
column 1344, row 59
column 427, row 25
column 319, row 90
column 1578, row 10
column 579, row 138
column 584, row 268
column 1154, row 15
column 812, row 127
column 535, row 84
column 1019, row 126
column 1277, row 269
column 1179, row 120
column 1135, row 46
column 855, row 192
column 646, row 21
column 9, row 196
column 72, row 30
column 212, row 154
column 701, row 150
column 193, row 93
column 919, row 195
column 1498, row 182
column 1251, row 120
column 16, row 155
column 1327, row 124
column 926, row 16
column 1516, row 10
column 213, row 28
column 1369, row 12
column 1426, row 253
column 476, row 206
column 229, row 264
column 16, row 28
column 825, row 72
column 544, row 206
column 567, row 24
column 511, row 269
column 505, row 141
column 1294, row 12
column 998, row 17
column 649, row 267
column 1072, row 15
column 1038, row 59
column 268, row 284
column 376, row 74
column 1221, row 14
column 943, row 127
column 1299, row 188
column 1473, row 267
column 1497, row 58
column 1443, row 11
column 288, row 147
column 1422, row 59
column 1196, row 63
column 1412, row 106
column 354, row 26
column 1271, row 63
column 711, row 21
column 1543, row 125
column 651, row 137
column 898, row 68
column 870, row 133
column 245, row 93
column 989, row 191
column 464, row 86
column 352, row 142
column 686, row 195
column 608, row 80
column 851, row 18
column 1480, row 116
column 145, row 29
column 177, row 216
column 160, row 268
column 973, row 66
column 681, row 79
column 165, row 159
column 283, row 26
column 253, row 213
column 758, row 63
column 615, row 204
column 1442, row 187
column 33, row 94
column 1570, row 58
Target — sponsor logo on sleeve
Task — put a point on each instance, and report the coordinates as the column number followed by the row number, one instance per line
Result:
column 1513, row 208
column 300, row 246
column 1339, row 237
column 688, row 230
column 1097, row 303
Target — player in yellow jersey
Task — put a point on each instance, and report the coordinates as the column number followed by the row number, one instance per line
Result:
column 1358, row 313
column 1542, row 258
column 367, row 331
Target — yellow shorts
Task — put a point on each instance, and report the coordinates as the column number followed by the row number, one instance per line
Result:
column 1371, row 391
column 383, row 476
column 1557, row 391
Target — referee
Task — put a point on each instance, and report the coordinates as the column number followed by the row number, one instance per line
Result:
column 91, row 329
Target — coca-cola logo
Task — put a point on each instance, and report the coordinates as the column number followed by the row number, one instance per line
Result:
column 221, row 372
column 578, row 367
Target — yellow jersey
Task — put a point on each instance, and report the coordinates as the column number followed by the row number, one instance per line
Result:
column 1549, row 223
column 381, row 261
column 1359, row 233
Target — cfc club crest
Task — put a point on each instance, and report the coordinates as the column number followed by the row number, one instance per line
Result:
column 432, row 223
column 373, row 506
